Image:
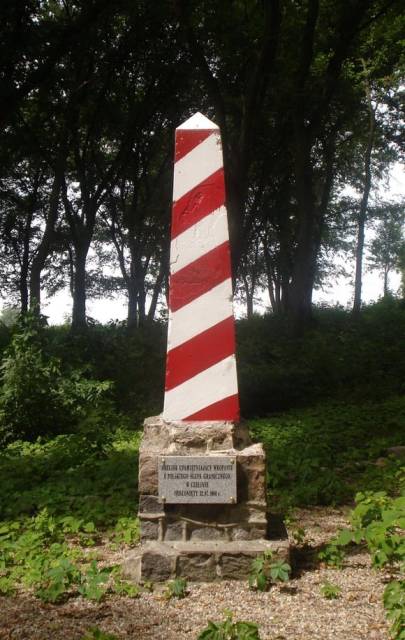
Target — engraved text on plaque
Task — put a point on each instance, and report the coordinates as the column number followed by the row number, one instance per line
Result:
column 197, row 479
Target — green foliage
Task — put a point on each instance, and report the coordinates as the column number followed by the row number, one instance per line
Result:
column 54, row 577
column 394, row 604
column 330, row 591
column 277, row 370
column 125, row 588
column 176, row 588
column 332, row 449
column 7, row 587
column 38, row 398
column 338, row 357
column 65, row 478
column 266, row 572
column 229, row 630
column 126, row 532
column 297, row 532
column 75, row 497
column 332, row 555
column 377, row 520
column 133, row 361
column 93, row 582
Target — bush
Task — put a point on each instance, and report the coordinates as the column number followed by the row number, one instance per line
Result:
column 38, row 398
column 337, row 357
column 133, row 360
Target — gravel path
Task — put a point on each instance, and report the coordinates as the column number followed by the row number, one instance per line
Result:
column 296, row 611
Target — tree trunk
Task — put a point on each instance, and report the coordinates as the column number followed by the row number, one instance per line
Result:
column 132, row 313
column 25, row 259
column 141, row 300
column 79, row 283
column 43, row 249
column 24, row 289
column 249, row 297
column 303, row 273
column 358, row 281
column 386, row 290
column 157, row 289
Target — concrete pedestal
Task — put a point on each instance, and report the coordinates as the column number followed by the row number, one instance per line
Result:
column 201, row 541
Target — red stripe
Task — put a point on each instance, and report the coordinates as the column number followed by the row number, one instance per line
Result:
column 226, row 409
column 205, row 198
column 200, row 276
column 186, row 140
column 212, row 346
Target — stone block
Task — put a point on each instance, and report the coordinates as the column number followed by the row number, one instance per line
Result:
column 240, row 533
column 207, row 533
column 177, row 539
column 148, row 475
column 192, row 437
column 257, row 533
column 149, row 530
column 252, row 474
column 197, row 566
column 157, row 565
column 199, row 560
column 174, row 531
column 235, row 566
column 150, row 505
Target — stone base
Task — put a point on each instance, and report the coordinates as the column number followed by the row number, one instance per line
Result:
column 202, row 541
column 202, row 561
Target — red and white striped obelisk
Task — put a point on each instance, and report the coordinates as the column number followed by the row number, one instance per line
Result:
column 201, row 381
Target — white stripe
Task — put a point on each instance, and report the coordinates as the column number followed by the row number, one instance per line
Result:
column 196, row 166
column 196, row 241
column 209, row 386
column 200, row 314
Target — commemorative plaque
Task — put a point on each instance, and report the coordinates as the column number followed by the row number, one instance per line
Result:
column 197, row 479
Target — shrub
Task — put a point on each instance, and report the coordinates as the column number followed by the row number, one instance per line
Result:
column 37, row 398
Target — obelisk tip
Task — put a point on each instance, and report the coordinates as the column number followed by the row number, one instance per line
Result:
column 198, row 121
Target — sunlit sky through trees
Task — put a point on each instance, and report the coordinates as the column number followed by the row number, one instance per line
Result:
column 334, row 292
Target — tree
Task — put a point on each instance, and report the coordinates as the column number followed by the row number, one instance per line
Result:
column 388, row 247
column 284, row 79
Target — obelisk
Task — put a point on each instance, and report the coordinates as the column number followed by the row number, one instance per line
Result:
column 202, row 483
column 201, row 382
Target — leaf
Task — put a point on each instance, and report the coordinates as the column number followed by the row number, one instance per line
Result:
column 261, row 582
column 344, row 537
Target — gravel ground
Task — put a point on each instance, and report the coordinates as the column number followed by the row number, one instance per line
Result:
column 296, row 611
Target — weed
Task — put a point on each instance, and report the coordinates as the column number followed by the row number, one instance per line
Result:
column 125, row 588
column 176, row 588
column 378, row 521
column 126, row 532
column 330, row 591
column 265, row 572
column 93, row 583
column 394, row 604
column 332, row 555
column 229, row 630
